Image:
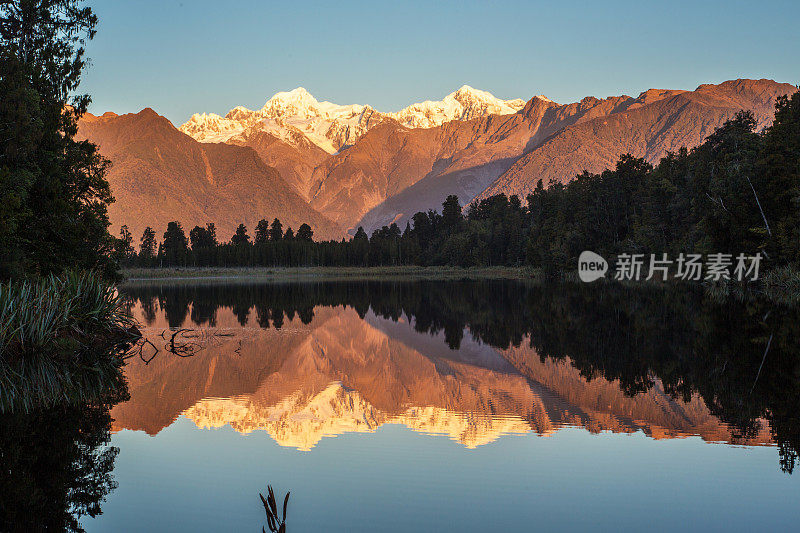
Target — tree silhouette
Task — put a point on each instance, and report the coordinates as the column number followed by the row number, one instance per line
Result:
column 147, row 245
column 53, row 191
column 175, row 247
column 276, row 231
column 262, row 231
column 305, row 233
column 240, row 238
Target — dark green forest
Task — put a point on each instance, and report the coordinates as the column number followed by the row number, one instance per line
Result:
column 738, row 192
column 53, row 192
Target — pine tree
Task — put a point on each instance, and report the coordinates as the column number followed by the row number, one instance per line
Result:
column 262, row 231
column 240, row 238
column 175, row 247
column 276, row 231
column 147, row 245
column 305, row 233
column 123, row 246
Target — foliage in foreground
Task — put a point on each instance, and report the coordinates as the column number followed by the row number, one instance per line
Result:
column 276, row 522
column 53, row 191
column 61, row 338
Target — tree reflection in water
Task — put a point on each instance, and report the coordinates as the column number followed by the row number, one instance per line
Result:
column 56, row 464
column 739, row 355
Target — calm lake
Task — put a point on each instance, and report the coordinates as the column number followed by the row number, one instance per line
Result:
column 455, row 406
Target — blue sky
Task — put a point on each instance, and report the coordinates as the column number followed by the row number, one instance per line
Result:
column 181, row 57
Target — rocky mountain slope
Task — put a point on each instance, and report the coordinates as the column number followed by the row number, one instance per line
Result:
column 160, row 174
column 650, row 126
column 548, row 141
column 308, row 161
column 295, row 158
column 390, row 174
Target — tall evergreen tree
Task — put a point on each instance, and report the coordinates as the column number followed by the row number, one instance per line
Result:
column 240, row 238
column 777, row 181
column 305, row 233
column 175, row 248
column 360, row 248
column 451, row 213
column 276, row 231
column 123, row 247
column 53, row 192
column 262, row 231
column 147, row 244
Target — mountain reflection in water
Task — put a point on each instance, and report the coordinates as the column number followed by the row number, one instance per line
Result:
column 470, row 360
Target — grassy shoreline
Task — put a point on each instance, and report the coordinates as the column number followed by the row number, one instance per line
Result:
column 132, row 275
column 781, row 285
column 62, row 338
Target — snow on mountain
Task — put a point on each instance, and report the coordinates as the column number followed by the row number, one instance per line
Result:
column 331, row 126
column 464, row 104
column 212, row 128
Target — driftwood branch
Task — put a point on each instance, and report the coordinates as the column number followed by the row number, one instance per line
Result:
column 177, row 342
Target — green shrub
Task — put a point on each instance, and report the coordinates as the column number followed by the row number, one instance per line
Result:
column 61, row 338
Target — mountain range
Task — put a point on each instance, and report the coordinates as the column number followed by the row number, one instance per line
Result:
column 341, row 166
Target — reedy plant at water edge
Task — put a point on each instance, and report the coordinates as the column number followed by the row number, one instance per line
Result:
column 275, row 522
column 75, row 310
column 61, row 338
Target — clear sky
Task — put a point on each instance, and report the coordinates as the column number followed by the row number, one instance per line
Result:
column 185, row 56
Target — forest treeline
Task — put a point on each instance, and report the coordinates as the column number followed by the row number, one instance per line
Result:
column 738, row 192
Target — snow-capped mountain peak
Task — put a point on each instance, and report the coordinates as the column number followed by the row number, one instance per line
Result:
column 468, row 95
column 331, row 126
column 464, row 104
column 295, row 103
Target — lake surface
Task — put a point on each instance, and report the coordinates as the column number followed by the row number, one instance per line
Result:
column 454, row 406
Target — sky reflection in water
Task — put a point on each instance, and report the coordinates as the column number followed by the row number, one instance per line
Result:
column 445, row 416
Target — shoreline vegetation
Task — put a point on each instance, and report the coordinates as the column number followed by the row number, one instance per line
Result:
column 62, row 339
column 64, row 328
column 780, row 285
column 135, row 275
